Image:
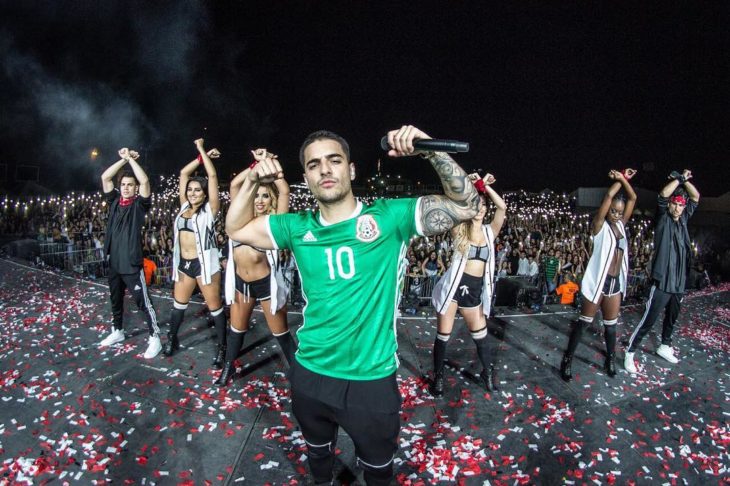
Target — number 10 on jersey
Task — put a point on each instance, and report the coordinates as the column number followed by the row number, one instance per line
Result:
column 335, row 259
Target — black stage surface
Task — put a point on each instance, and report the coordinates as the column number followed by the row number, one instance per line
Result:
column 74, row 412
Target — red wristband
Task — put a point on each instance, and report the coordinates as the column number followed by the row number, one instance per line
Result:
column 481, row 188
column 626, row 175
column 200, row 159
column 253, row 164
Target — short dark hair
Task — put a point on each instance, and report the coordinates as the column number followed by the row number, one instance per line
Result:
column 126, row 173
column 323, row 135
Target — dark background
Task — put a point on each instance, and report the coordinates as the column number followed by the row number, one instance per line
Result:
column 549, row 94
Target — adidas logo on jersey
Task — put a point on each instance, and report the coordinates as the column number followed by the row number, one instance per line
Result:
column 309, row 237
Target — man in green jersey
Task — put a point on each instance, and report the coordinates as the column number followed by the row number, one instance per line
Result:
column 552, row 265
column 351, row 260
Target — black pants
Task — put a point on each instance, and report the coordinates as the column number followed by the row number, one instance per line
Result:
column 368, row 411
column 658, row 301
column 135, row 282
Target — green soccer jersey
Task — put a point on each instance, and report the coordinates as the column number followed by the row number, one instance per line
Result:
column 351, row 274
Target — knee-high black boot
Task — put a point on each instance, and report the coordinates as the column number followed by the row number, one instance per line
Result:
column 439, row 355
column 566, row 373
column 172, row 344
column 487, row 368
column 609, row 333
column 219, row 320
column 234, row 341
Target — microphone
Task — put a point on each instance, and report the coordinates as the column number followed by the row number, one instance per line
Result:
column 432, row 145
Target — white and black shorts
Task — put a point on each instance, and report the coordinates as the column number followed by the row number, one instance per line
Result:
column 611, row 286
column 469, row 292
column 191, row 268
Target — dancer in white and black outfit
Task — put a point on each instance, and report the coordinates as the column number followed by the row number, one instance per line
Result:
column 606, row 275
column 670, row 265
column 123, row 246
column 254, row 275
column 195, row 256
column 467, row 284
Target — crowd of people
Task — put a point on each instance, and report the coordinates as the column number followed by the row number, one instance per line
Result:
column 543, row 235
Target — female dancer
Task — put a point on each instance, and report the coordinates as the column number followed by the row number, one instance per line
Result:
column 254, row 275
column 467, row 284
column 606, row 273
column 195, row 254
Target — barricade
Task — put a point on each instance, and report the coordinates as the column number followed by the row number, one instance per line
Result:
column 417, row 291
column 50, row 248
column 162, row 276
column 89, row 263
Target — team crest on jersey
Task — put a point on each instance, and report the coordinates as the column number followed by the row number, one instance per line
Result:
column 367, row 229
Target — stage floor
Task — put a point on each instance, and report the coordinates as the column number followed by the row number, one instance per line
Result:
column 75, row 412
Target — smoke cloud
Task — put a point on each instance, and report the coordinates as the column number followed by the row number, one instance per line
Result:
column 87, row 75
column 72, row 118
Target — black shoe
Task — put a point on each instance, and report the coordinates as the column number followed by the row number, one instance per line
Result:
column 226, row 374
column 487, row 381
column 172, row 345
column 220, row 357
column 437, row 385
column 610, row 365
column 565, row 372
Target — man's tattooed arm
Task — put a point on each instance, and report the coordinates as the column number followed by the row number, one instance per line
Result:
column 461, row 202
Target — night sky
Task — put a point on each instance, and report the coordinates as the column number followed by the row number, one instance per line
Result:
column 549, row 94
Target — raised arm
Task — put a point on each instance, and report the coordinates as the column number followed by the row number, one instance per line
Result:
column 671, row 186
column 235, row 219
column 461, row 200
column 630, row 193
column 620, row 180
column 282, row 201
column 207, row 157
column 692, row 191
column 145, row 189
column 600, row 215
column 240, row 222
column 107, row 177
column 237, row 182
column 185, row 174
column 501, row 212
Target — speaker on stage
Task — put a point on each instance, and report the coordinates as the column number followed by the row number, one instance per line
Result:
column 25, row 249
column 515, row 291
column 505, row 292
column 529, row 295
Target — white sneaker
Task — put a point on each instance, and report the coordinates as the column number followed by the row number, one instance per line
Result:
column 667, row 352
column 629, row 364
column 116, row 336
column 153, row 348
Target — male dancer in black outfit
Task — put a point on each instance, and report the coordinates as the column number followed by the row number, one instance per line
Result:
column 123, row 246
column 670, row 265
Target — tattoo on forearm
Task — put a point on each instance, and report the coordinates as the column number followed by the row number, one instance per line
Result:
column 441, row 213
